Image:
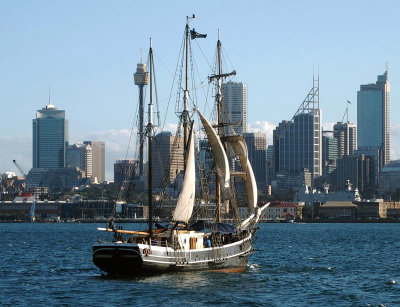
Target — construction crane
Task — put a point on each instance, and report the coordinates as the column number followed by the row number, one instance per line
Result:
column 33, row 206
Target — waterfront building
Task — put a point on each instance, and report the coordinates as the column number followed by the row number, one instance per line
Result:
column 345, row 134
column 341, row 210
column 80, row 156
column 235, row 106
column 168, row 159
column 298, row 142
column 49, row 138
column 21, row 207
column 282, row 211
column 98, row 160
column 257, row 153
column 373, row 116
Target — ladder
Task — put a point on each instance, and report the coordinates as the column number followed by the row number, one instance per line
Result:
column 179, row 252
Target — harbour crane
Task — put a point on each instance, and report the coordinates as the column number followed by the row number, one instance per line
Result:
column 33, row 206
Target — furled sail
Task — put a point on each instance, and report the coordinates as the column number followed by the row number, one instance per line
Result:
column 239, row 148
column 220, row 158
column 184, row 206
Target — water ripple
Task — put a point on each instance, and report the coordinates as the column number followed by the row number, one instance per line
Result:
column 320, row 264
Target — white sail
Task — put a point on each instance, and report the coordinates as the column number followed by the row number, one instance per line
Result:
column 251, row 186
column 220, row 158
column 239, row 148
column 184, row 206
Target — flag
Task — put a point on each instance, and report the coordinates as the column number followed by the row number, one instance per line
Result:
column 194, row 34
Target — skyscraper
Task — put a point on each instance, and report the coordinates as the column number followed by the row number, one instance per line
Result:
column 346, row 145
column 373, row 116
column 329, row 153
column 298, row 142
column 257, row 147
column 49, row 138
column 80, row 156
column 167, row 153
column 235, row 106
column 125, row 171
column 98, row 159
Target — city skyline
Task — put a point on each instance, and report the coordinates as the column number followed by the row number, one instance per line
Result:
column 89, row 64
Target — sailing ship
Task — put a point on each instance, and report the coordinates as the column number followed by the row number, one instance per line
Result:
column 181, row 246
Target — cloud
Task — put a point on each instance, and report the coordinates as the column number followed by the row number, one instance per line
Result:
column 328, row 126
column 263, row 126
column 15, row 148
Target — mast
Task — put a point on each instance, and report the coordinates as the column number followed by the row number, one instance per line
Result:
column 150, row 143
column 219, row 98
column 219, row 121
column 185, row 112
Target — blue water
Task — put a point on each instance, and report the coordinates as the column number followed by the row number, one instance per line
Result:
column 294, row 265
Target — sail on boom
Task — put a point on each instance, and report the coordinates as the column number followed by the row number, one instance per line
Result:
column 220, row 158
column 239, row 147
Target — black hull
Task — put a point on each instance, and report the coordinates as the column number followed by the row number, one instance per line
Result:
column 118, row 260
column 132, row 260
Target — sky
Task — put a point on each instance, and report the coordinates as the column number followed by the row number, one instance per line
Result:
column 87, row 51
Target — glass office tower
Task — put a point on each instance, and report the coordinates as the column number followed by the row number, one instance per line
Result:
column 373, row 116
column 49, row 138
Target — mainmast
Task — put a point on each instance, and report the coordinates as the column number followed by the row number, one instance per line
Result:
column 219, row 99
column 150, row 143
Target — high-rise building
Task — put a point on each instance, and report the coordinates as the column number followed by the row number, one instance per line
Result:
column 257, row 148
column 98, row 159
column 345, row 134
column 373, row 115
column 359, row 170
column 235, row 106
column 298, row 142
column 270, row 163
column 125, row 171
column 49, row 138
column 329, row 154
column 80, row 156
column 167, row 159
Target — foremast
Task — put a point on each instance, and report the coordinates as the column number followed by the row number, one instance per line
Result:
column 185, row 203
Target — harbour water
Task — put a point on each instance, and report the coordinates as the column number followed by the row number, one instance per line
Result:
column 294, row 265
